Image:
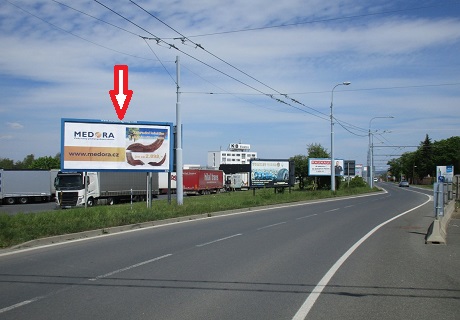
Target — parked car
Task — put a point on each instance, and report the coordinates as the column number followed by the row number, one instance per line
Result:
column 404, row 184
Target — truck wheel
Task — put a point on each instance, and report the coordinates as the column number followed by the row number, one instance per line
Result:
column 23, row 200
column 10, row 201
column 110, row 201
column 90, row 202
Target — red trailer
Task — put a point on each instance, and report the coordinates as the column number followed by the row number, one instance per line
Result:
column 202, row 181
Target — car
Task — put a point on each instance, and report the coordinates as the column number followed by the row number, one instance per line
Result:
column 376, row 180
column 404, row 184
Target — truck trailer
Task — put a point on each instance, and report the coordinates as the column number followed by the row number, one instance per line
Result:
column 202, row 181
column 73, row 189
column 24, row 186
column 163, row 182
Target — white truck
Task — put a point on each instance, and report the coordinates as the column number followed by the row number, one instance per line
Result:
column 163, row 182
column 24, row 186
column 237, row 181
column 102, row 187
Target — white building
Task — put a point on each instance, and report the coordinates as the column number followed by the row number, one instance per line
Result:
column 237, row 153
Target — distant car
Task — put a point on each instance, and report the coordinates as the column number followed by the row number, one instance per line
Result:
column 404, row 184
column 376, row 180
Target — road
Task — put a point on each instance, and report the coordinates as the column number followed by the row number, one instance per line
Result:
column 27, row 208
column 333, row 259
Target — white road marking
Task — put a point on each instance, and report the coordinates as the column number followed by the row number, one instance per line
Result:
column 272, row 225
column 250, row 210
column 305, row 217
column 218, row 240
column 332, row 210
column 20, row 304
column 316, row 292
column 130, row 267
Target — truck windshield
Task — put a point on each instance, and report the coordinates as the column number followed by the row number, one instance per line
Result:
column 68, row 182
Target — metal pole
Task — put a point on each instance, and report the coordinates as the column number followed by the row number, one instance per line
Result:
column 179, row 165
column 332, row 143
column 371, row 150
column 332, row 135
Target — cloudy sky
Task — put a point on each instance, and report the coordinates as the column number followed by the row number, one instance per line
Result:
column 259, row 72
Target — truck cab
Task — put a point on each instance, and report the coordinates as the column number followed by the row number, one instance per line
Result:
column 72, row 190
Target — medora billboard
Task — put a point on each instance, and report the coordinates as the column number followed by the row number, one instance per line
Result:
column 272, row 173
column 95, row 145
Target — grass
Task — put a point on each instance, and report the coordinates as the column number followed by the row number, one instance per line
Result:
column 20, row 228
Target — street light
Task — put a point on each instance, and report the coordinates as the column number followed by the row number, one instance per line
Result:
column 346, row 83
column 371, row 151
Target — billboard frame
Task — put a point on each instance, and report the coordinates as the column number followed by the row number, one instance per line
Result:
column 325, row 170
column 267, row 183
column 166, row 127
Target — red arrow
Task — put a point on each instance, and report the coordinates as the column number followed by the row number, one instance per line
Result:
column 120, row 96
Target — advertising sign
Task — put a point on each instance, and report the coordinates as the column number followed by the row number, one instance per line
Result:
column 444, row 173
column 94, row 145
column 322, row 167
column 270, row 173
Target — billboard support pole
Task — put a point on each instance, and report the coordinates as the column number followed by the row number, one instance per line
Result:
column 179, row 166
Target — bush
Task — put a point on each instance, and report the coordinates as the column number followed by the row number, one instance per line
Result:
column 356, row 182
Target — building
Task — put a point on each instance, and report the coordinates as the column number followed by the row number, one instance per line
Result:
column 237, row 153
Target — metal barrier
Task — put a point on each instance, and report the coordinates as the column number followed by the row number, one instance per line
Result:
column 444, row 206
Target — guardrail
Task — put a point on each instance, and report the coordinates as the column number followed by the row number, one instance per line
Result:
column 445, row 196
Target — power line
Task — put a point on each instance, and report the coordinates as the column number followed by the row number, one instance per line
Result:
column 319, row 21
column 183, row 38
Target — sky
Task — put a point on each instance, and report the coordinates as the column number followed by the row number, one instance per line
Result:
column 257, row 72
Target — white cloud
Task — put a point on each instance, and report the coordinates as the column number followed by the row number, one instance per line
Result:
column 48, row 74
column 14, row 125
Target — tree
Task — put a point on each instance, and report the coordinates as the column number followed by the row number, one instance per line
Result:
column 424, row 160
column 6, row 163
column 301, row 168
column 317, row 151
column 46, row 163
column 26, row 163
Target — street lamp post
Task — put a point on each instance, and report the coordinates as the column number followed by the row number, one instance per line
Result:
column 346, row 83
column 371, row 151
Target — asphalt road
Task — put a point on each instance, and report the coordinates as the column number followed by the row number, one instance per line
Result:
column 27, row 208
column 294, row 262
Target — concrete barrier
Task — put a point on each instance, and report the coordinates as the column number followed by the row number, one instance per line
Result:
column 437, row 232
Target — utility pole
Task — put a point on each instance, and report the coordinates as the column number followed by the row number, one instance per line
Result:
column 179, row 165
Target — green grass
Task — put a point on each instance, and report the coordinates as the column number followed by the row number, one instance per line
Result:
column 20, row 228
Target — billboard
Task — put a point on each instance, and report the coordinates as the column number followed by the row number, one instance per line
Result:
column 322, row 167
column 271, row 173
column 95, row 145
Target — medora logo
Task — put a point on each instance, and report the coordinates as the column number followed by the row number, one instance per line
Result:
column 96, row 135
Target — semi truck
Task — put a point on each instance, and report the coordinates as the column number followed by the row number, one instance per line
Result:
column 24, row 186
column 90, row 188
column 202, row 181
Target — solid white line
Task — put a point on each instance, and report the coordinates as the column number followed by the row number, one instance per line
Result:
column 314, row 295
column 130, row 267
column 221, row 239
column 272, row 225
